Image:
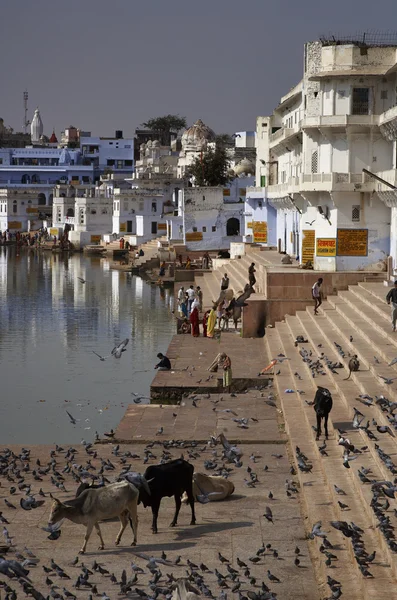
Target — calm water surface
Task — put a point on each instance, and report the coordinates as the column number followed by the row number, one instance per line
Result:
column 49, row 325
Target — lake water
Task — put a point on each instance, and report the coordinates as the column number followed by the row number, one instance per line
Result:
column 50, row 323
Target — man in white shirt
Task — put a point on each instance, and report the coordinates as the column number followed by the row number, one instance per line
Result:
column 181, row 293
column 191, row 294
column 316, row 295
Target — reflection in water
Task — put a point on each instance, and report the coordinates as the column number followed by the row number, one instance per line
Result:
column 50, row 323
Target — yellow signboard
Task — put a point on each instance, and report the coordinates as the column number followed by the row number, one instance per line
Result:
column 194, row 236
column 308, row 241
column 352, row 242
column 14, row 225
column 161, row 226
column 226, row 191
column 259, row 229
column 123, row 227
column 249, row 225
column 326, row 247
column 31, row 210
column 95, row 239
column 54, row 231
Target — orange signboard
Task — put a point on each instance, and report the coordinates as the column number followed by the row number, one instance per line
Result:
column 194, row 236
column 95, row 239
column 161, row 226
column 14, row 225
column 31, row 210
column 308, row 243
column 259, row 229
column 326, row 247
column 352, row 242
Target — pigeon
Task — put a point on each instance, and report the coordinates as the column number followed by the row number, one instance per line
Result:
column 272, row 577
column 118, row 350
column 316, row 531
column 268, row 514
column 81, row 279
column 99, row 356
column 72, row 419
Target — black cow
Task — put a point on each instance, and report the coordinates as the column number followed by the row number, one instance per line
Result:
column 173, row 478
column 322, row 406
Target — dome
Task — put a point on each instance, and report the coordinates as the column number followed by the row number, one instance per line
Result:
column 197, row 135
column 156, row 144
column 244, row 167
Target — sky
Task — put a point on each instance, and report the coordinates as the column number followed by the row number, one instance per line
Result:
column 104, row 65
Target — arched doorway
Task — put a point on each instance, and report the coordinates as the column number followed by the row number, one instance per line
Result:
column 41, row 199
column 233, row 227
column 25, row 179
column 70, row 212
column 35, row 178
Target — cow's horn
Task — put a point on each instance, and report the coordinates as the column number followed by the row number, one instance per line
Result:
column 149, row 480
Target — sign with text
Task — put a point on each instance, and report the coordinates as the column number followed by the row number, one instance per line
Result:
column 226, row 191
column 308, row 243
column 161, row 226
column 95, row 239
column 194, row 236
column 14, row 225
column 54, row 231
column 259, row 229
column 32, row 211
column 123, row 227
column 326, row 247
column 249, row 225
column 352, row 242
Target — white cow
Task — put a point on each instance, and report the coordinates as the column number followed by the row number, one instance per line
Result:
column 184, row 591
column 210, row 488
column 94, row 505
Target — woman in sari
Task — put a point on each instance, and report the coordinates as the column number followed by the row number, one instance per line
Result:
column 194, row 321
column 211, row 322
column 227, row 371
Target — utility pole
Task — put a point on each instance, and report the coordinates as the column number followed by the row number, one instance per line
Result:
column 26, row 121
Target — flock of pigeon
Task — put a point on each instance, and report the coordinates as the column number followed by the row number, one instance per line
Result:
column 25, row 484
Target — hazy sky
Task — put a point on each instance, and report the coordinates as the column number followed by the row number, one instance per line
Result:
column 103, row 65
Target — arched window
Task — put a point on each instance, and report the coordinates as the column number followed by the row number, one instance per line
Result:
column 233, row 227
column 41, row 199
column 35, row 179
column 25, row 179
column 70, row 212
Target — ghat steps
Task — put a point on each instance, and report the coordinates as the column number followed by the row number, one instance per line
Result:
column 360, row 312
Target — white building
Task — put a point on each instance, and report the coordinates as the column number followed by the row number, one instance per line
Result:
column 339, row 120
column 140, row 213
column 19, row 209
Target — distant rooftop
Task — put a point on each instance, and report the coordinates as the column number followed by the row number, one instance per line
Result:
column 364, row 38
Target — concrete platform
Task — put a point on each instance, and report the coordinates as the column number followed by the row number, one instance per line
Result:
column 234, row 527
column 190, row 358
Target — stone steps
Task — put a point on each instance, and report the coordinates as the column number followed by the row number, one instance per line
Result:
column 320, row 499
column 315, row 487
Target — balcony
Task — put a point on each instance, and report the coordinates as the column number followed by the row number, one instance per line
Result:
column 340, row 121
column 69, row 220
column 326, row 182
column 284, row 134
column 388, row 124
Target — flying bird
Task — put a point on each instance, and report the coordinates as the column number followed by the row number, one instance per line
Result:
column 118, row 350
column 81, row 279
column 72, row 419
column 310, row 223
column 99, row 356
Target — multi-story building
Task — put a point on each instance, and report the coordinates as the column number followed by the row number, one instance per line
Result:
column 340, row 119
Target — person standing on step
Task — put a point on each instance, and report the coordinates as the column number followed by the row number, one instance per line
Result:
column 224, row 283
column 191, row 296
column 391, row 298
column 251, row 275
column 316, row 295
column 199, row 296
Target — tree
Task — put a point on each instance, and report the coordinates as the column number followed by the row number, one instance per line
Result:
column 164, row 126
column 211, row 168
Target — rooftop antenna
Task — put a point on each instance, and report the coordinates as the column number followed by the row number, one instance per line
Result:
column 26, row 121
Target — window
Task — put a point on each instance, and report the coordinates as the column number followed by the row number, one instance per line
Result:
column 125, row 203
column 128, row 163
column 213, row 228
column 81, row 216
column 14, row 207
column 360, row 104
column 59, row 214
column 204, row 229
column 355, row 213
column 194, row 229
column 263, row 180
column 110, row 162
column 154, row 207
column 383, row 95
column 141, row 206
column 154, row 227
column 120, row 164
column 314, row 165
